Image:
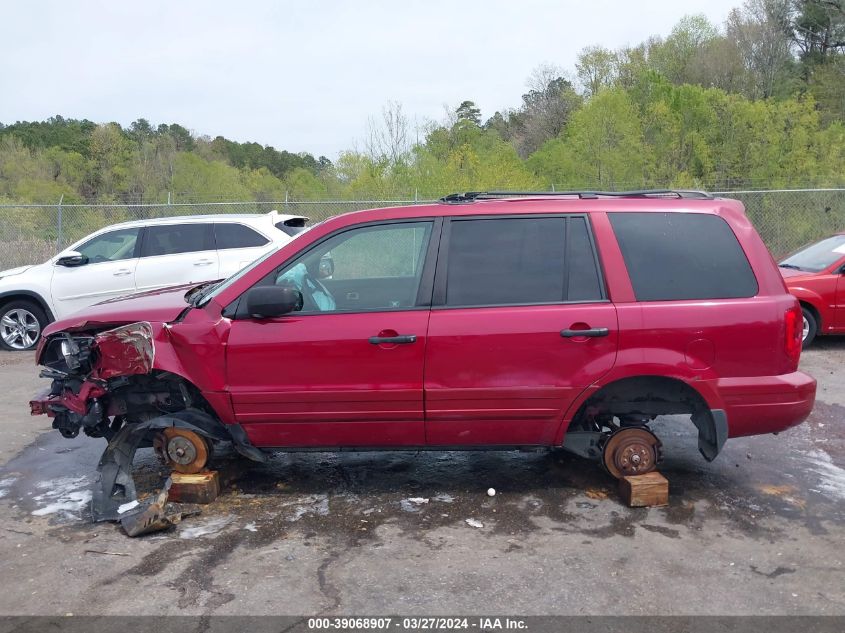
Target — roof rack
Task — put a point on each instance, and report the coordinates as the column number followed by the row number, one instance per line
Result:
column 471, row 196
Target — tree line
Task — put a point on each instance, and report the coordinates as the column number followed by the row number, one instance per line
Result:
column 756, row 102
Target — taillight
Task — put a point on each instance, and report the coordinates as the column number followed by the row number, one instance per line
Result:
column 794, row 333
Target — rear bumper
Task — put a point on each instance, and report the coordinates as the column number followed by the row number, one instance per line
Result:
column 767, row 404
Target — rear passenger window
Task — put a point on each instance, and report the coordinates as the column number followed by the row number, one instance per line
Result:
column 171, row 239
column 519, row 261
column 675, row 256
column 228, row 235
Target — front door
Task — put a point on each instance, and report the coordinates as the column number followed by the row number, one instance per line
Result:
column 839, row 311
column 109, row 272
column 520, row 325
column 347, row 368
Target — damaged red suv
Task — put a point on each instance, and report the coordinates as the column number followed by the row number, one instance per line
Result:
column 489, row 319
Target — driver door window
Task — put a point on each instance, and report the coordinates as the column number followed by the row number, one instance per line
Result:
column 111, row 247
column 364, row 269
column 109, row 272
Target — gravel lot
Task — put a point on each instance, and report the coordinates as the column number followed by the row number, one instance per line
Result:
column 759, row 531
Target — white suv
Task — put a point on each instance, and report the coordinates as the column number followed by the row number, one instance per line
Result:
column 134, row 257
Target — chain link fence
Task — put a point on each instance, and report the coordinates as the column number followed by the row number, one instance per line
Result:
column 790, row 218
column 32, row 233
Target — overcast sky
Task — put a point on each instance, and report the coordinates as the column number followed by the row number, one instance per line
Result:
column 304, row 75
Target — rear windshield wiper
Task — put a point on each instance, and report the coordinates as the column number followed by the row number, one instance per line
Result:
column 792, row 266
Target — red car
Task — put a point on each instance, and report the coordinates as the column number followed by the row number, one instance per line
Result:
column 487, row 320
column 815, row 275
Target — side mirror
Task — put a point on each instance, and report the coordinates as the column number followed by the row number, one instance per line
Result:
column 71, row 259
column 267, row 302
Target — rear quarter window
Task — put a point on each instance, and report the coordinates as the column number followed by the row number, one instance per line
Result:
column 676, row 256
column 231, row 235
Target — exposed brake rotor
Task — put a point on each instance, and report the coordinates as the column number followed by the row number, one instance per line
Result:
column 631, row 451
column 184, row 451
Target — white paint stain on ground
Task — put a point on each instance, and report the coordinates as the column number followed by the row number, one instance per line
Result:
column 5, row 484
column 412, row 504
column 831, row 476
column 212, row 526
column 65, row 496
column 312, row 504
column 444, row 497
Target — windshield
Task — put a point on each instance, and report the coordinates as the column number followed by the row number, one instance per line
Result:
column 213, row 291
column 216, row 289
column 818, row 256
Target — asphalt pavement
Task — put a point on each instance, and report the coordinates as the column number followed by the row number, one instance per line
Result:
column 758, row 531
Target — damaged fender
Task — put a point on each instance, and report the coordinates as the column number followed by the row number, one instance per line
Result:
column 115, row 485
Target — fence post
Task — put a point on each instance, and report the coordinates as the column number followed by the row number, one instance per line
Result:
column 286, row 202
column 59, row 225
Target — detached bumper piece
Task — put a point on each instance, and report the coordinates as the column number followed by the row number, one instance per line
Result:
column 115, row 487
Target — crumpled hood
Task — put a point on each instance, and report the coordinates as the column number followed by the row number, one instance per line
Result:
column 154, row 306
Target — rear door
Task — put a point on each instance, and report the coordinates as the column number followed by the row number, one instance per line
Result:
column 173, row 254
column 520, row 324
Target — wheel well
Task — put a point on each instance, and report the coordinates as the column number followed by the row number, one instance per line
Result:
column 27, row 296
column 815, row 312
column 638, row 399
column 160, row 392
column 648, row 396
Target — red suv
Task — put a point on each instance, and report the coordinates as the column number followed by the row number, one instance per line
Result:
column 488, row 319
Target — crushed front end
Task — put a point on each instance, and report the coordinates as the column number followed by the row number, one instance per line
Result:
column 105, row 384
column 91, row 388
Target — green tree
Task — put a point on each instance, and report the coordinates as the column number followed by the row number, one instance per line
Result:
column 469, row 112
column 596, row 67
column 195, row 179
column 602, row 146
column 674, row 56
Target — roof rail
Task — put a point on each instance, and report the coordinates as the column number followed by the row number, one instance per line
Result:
column 471, row 196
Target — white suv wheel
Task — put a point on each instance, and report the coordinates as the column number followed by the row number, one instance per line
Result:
column 20, row 326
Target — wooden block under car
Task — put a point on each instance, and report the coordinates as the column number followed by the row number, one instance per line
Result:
column 196, row 488
column 649, row 490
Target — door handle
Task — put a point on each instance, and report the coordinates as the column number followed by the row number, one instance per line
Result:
column 122, row 272
column 591, row 333
column 203, row 262
column 401, row 339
